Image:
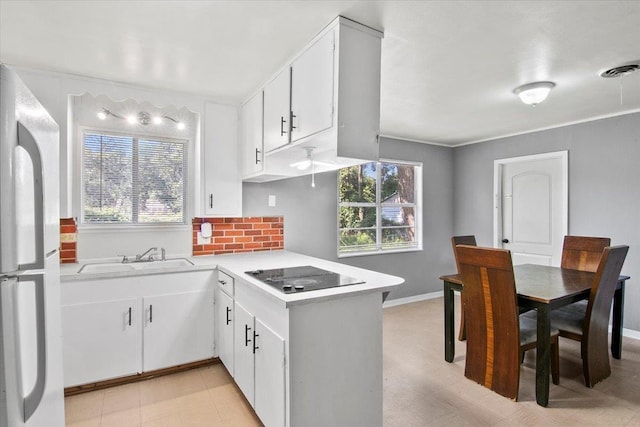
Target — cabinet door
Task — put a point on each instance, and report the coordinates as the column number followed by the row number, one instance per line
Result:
column 251, row 135
column 222, row 181
column 225, row 323
column 312, row 89
column 276, row 111
column 178, row 328
column 100, row 341
column 269, row 376
column 243, row 352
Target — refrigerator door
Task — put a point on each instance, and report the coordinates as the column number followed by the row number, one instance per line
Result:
column 31, row 392
column 29, row 178
column 30, row 349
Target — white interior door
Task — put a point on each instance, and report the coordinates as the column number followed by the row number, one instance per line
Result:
column 532, row 194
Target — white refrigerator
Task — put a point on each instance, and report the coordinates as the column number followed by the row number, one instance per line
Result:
column 31, row 389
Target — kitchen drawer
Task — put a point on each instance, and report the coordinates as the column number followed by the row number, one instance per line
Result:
column 225, row 282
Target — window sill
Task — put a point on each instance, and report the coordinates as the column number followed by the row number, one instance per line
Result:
column 379, row 252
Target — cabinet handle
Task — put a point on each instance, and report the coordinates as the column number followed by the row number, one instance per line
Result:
column 222, row 282
column 150, row 313
column 291, row 117
column 255, row 347
column 282, row 122
column 257, row 154
column 129, row 316
column 246, row 335
column 228, row 311
column 211, row 200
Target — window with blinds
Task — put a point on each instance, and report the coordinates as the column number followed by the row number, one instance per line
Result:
column 133, row 179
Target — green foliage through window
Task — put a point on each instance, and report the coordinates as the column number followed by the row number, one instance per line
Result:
column 377, row 207
column 131, row 180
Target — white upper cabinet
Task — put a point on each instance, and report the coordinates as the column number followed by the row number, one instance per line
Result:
column 251, row 136
column 277, row 111
column 312, row 89
column 222, row 180
column 328, row 100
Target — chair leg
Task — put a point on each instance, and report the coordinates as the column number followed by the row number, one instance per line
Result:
column 555, row 361
column 462, row 335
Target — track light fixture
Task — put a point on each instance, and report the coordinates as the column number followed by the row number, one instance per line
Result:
column 142, row 118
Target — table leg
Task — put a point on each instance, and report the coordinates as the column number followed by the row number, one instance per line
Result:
column 449, row 345
column 543, row 360
column 618, row 313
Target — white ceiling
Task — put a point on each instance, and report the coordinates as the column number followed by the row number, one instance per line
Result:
column 448, row 68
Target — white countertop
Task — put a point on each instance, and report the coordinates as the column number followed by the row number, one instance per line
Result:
column 237, row 264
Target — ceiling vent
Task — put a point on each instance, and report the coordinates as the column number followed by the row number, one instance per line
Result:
column 620, row 71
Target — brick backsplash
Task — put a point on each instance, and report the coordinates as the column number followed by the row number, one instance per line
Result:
column 236, row 235
column 68, row 238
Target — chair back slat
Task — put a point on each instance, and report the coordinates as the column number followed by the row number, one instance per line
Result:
column 491, row 310
column 583, row 253
column 462, row 240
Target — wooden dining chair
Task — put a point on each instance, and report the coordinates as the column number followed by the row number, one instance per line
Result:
column 591, row 326
column 583, row 253
column 497, row 336
column 461, row 240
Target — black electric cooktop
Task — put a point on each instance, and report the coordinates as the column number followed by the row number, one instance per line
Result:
column 301, row 279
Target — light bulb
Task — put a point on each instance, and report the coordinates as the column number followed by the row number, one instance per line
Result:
column 157, row 120
column 102, row 115
column 132, row 119
column 180, row 125
column 534, row 93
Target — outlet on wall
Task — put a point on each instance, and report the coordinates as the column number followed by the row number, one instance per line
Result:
column 203, row 240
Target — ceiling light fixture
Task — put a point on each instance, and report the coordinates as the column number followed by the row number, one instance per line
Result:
column 142, row 118
column 309, row 162
column 534, row 93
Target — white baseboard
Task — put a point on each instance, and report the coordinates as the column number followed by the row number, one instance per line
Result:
column 415, row 298
column 629, row 333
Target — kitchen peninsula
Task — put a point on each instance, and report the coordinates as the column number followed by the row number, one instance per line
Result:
column 311, row 358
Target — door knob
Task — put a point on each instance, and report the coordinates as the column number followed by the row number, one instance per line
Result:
column 505, row 240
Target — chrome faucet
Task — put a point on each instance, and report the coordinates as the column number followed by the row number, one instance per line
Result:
column 139, row 257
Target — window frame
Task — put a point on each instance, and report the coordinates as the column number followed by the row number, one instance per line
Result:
column 417, row 206
column 135, row 136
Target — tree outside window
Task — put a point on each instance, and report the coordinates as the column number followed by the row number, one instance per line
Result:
column 377, row 207
column 131, row 180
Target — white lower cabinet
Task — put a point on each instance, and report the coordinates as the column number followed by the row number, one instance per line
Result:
column 177, row 329
column 259, row 369
column 225, row 322
column 269, row 376
column 162, row 321
column 243, row 352
column 100, row 341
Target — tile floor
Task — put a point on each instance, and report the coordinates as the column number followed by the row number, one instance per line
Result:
column 420, row 388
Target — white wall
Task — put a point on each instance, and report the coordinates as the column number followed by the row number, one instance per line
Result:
column 53, row 90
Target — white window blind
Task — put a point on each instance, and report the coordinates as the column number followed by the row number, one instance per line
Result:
column 133, row 180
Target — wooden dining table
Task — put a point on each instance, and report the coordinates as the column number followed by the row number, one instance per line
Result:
column 543, row 289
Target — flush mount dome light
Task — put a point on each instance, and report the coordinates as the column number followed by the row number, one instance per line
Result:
column 534, row 93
